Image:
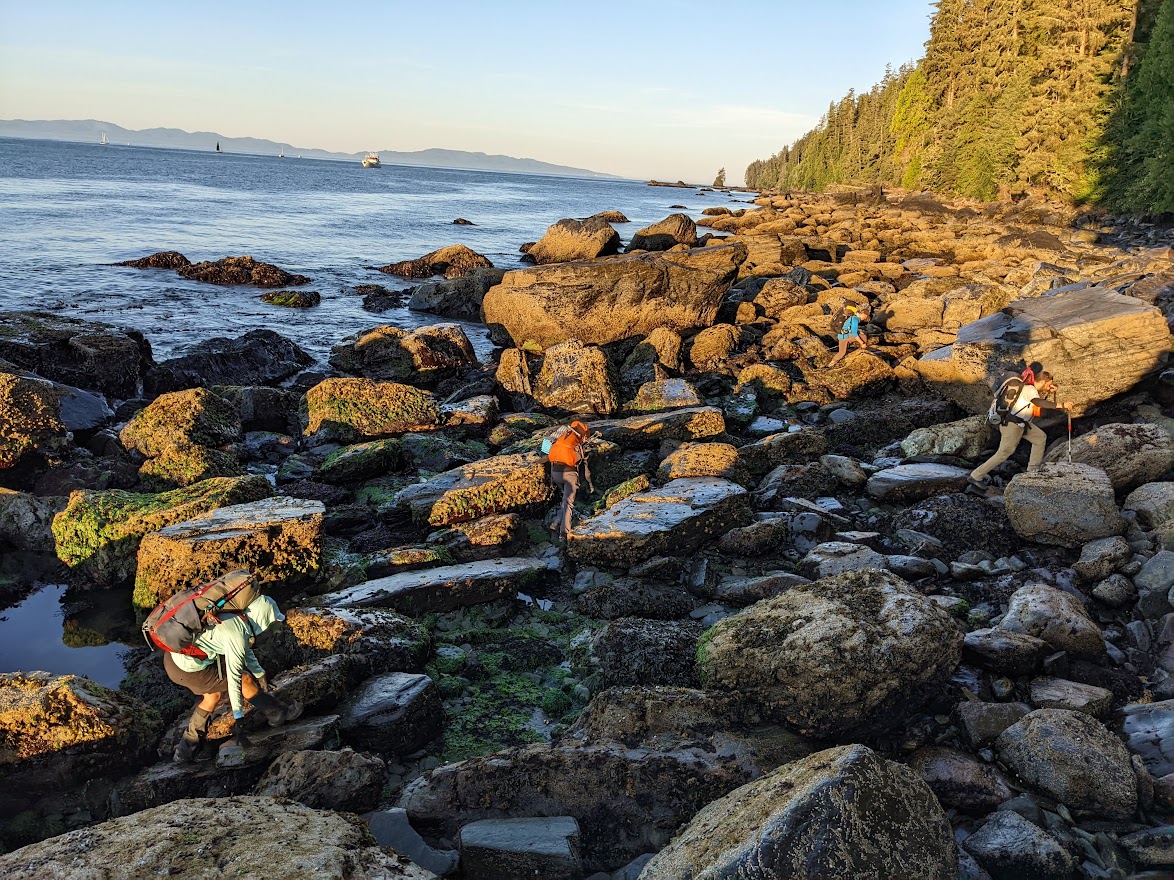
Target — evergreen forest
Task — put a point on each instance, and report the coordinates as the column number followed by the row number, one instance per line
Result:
column 1060, row 98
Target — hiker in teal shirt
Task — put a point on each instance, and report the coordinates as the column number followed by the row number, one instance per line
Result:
column 851, row 331
column 232, row 668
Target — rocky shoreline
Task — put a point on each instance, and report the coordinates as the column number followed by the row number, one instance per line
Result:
column 781, row 641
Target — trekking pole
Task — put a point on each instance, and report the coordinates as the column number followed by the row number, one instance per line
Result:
column 1069, row 436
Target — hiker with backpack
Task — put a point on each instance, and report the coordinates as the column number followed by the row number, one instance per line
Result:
column 207, row 634
column 850, row 331
column 567, row 457
column 1018, row 402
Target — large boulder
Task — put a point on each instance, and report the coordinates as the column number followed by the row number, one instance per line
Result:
column 30, row 420
column 343, row 780
column 99, row 532
column 674, row 519
column 1057, row 617
column 259, row 357
column 1130, row 454
column 1095, row 341
column 278, row 539
column 59, row 731
column 703, row 460
column 216, row 837
column 1010, row 847
column 846, row 656
column 843, row 812
column 349, row 410
column 576, row 378
column 569, row 240
column 395, row 713
column 390, row 354
column 860, row 374
column 81, row 353
column 492, row 485
column 626, row 801
column 673, row 230
column 1071, row 757
column 195, row 417
column 457, row 297
column 451, row 262
column 612, row 299
column 1067, row 505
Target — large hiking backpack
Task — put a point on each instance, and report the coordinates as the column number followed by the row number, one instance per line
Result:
column 176, row 623
column 1005, row 398
column 839, row 319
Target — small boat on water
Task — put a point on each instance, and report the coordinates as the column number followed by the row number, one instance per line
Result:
column 104, row 142
column 371, row 160
column 218, row 146
column 281, row 153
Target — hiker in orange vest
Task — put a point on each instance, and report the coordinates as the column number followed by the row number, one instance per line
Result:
column 567, row 456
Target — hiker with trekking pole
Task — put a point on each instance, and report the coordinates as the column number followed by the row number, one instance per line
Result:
column 1018, row 402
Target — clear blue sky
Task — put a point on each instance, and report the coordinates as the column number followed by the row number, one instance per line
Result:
column 669, row 89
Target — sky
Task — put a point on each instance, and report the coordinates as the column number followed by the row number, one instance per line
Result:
column 668, row 89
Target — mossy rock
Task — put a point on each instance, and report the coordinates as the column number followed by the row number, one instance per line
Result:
column 363, row 461
column 30, row 419
column 292, row 299
column 99, row 532
column 195, row 417
column 178, row 466
column 350, row 410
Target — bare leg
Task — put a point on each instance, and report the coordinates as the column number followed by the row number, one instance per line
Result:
column 840, row 353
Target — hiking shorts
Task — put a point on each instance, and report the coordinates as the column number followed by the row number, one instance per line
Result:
column 207, row 681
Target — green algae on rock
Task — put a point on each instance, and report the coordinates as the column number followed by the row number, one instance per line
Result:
column 99, row 532
column 349, row 410
column 362, row 461
column 194, row 417
column 278, row 539
column 185, row 465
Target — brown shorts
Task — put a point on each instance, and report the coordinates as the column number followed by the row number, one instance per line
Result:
column 206, row 681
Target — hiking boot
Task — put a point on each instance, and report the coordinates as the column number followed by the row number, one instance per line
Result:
column 276, row 710
column 193, row 737
column 185, row 752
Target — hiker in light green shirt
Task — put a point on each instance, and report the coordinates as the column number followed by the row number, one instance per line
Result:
column 232, row 668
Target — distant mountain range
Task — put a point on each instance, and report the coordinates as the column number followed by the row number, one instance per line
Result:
column 90, row 130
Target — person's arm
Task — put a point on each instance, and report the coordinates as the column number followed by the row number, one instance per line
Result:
column 234, row 644
column 587, row 470
column 1044, row 403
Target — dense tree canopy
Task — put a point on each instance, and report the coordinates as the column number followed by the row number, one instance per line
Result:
column 1070, row 98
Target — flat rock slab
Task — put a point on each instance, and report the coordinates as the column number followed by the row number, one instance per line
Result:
column 444, row 589
column 676, row 518
column 1058, row 693
column 278, row 539
column 906, row 483
column 395, row 713
column 520, row 849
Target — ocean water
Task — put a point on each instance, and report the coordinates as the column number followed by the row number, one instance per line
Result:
column 68, row 210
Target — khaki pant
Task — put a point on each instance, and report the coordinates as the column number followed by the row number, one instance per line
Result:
column 1010, row 434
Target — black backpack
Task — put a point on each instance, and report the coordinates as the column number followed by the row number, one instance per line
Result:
column 1005, row 399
